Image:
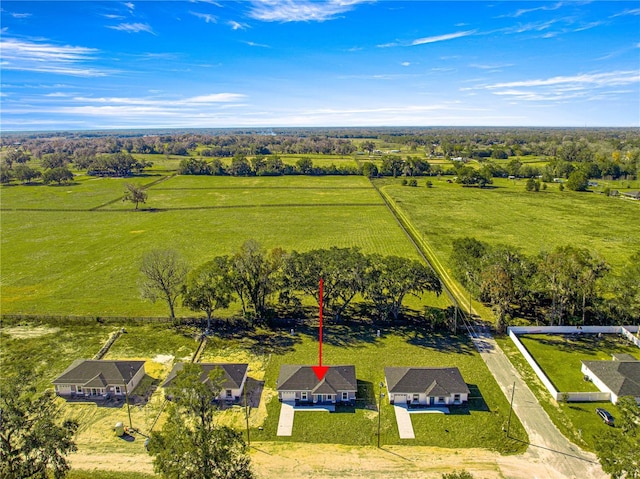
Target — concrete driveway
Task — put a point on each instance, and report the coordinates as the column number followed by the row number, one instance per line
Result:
column 285, row 423
column 405, row 428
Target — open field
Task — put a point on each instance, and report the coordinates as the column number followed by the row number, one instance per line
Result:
column 507, row 214
column 577, row 421
column 86, row 262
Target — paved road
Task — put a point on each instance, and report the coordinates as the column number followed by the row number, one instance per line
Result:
column 561, row 458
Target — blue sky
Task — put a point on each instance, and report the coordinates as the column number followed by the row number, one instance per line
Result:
column 158, row 64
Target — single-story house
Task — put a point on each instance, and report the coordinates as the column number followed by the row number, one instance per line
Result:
column 92, row 377
column 620, row 377
column 234, row 377
column 426, row 386
column 300, row 384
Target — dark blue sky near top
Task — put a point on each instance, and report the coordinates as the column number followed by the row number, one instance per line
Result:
column 151, row 64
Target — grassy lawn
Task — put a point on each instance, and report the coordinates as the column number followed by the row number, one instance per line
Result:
column 479, row 425
column 507, row 214
column 560, row 356
column 86, row 263
column 577, row 421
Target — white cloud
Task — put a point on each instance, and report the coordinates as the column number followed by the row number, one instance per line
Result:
column 628, row 11
column 132, row 27
column 207, row 17
column 237, row 25
column 405, row 64
column 441, row 38
column 584, row 86
column 47, row 58
column 130, row 6
column 524, row 11
column 112, row 16
column 20, row 15
column 299, row 10
column 254, row 44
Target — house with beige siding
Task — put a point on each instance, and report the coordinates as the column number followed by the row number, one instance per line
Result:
column 95, row 378
column 232, row 382
column 299, row 384
column 426, row 386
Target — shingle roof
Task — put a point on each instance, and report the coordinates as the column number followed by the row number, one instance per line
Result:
column 303, row 378
column 621, row 377
column 432, row 381
column 99, row 373
column 233, row 373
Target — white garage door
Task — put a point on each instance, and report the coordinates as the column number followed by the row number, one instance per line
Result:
column 288, row 396
column 399, row 398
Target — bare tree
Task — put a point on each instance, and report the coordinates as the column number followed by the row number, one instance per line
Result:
column 164, row 274
column 135, row 194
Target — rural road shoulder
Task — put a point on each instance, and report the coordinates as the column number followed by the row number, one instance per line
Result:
column 548, row 447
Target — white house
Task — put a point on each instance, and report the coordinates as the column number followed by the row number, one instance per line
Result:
column 620, row 377
column 234, row 377
column 86, row 377
column 300, row 384
column 426, row 386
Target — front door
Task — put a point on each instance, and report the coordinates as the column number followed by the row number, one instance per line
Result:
column 432, row 401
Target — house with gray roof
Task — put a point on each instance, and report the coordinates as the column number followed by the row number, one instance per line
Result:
column 619, row 377
column 300, row 384
column 92, row 377
column 234, row 377
column 426, row 386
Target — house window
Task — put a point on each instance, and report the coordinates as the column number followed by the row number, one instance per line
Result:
column 440, row 399
column 118, row 390
column 229, row 395
column 345, row 396
column 456, row 397
column 416, row 397
column 303, row 396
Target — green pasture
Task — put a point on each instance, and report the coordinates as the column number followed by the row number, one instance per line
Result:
column 478, row 425
column 561, row 356
column 85, row 193
column 507, row 214
column 86, row 262
column 577, row 421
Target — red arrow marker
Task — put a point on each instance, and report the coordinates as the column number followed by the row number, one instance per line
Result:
column 320, row 370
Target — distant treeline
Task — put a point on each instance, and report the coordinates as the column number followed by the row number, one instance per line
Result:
column 521, row 153
column 568, row 285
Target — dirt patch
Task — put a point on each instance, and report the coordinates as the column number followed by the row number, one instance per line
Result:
column 163, row 358
column 28, row 332
column 112, row 462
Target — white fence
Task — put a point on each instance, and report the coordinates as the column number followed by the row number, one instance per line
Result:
column 514, row 331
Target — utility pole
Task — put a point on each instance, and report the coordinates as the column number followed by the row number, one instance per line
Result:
column 246, row 411
column 126, row 396
column 380, row 411
column 513, row 391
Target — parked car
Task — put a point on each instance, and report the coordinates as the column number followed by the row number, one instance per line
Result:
column 605, row 415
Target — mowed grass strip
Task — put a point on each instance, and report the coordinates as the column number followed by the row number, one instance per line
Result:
column 507, row 214
column 87, row 263
column 479, row 425
column 224, row 192
column 560, row 356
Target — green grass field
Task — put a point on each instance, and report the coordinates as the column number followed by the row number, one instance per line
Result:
column 69, row 262
column 507, row 214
